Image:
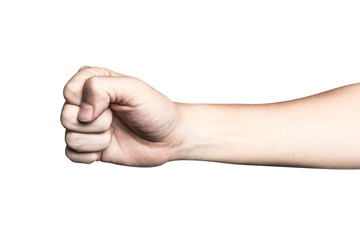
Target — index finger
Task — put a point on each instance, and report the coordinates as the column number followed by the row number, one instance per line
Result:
column 74, row 87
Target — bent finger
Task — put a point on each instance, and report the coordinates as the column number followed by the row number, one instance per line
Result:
column 74, row 87
column 70, row 120
column 88, row 157
column 99, row 92
column 88, row 142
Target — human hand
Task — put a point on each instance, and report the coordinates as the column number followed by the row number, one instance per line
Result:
column 120, row 119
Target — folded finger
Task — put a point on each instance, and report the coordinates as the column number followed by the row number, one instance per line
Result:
column 87, row 157
column 74, row 87
column 88, row 142
column 70, row 121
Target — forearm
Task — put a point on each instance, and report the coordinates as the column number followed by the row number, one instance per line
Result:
column 317, row 131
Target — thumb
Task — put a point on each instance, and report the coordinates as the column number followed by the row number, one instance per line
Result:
column 86, row 112
column 99, row 92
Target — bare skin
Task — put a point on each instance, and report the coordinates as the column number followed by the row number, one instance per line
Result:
column 120, row 119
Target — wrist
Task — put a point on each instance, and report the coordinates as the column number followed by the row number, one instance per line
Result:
column 200, row 136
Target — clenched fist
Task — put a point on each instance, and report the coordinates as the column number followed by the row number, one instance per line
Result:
column 116, row 118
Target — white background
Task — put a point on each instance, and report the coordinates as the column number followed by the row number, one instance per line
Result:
column 192, row 51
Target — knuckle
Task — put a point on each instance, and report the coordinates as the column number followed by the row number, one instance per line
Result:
column 69, row 91
column 68, row 154
column 92, row 71
column 68, row 138
column 73, row 140
column 66, row 118
column 71, row 155
column 97, row 71
column 90, row 84
column 83, row 68
column 92, row 81
column 103, row 71
column 86, row 158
